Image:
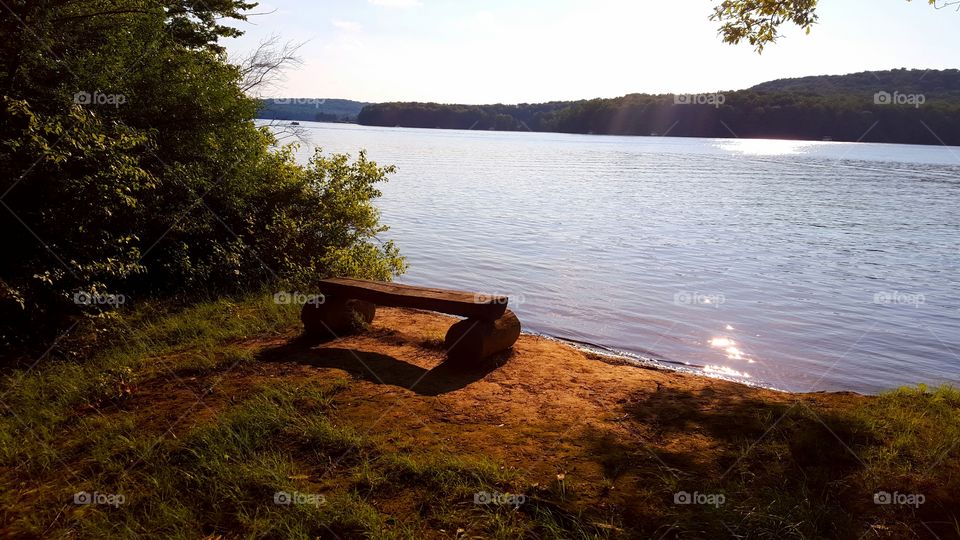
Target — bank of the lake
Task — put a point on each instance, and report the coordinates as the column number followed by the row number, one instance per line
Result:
column 201, row 417
column 803, row 266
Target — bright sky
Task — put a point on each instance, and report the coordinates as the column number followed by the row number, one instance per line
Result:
column 511, row 51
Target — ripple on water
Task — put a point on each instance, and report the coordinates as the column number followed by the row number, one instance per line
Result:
column 810, row 259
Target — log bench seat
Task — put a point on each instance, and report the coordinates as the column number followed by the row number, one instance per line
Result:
column 349, row 305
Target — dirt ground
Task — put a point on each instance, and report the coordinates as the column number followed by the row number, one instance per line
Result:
column 547, row 409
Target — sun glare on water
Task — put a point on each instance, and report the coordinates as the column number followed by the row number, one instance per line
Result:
column 730, row 349
column 725, row 371
column 767, row 147
column 721, row 342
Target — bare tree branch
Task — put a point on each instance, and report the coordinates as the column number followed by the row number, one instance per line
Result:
column 263, row 69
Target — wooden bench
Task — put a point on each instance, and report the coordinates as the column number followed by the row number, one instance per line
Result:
column 349, row 305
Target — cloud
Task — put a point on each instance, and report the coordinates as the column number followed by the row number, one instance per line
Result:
column 397, row 3
column 349, row 26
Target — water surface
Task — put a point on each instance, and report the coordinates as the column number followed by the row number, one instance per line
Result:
column 798, row 265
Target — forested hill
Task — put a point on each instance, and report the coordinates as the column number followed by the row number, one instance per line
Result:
column 933, row 84
column 310, row 109
column 845, row 108
column 522, row 117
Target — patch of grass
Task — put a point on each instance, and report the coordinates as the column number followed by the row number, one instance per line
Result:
column 205, row 361
column 39, row 400
column 225, row 477
column 219, row 478
column 921, row 428
column 434, row 341
column 222, row 476
column 812, row 472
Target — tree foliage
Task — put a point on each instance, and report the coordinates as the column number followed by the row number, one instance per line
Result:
column 842, row 108
column 310, row 109
column 759, row 21
column 935, row 85
column 522, row 117
column 130, row 164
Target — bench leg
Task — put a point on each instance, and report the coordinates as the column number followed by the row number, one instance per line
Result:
column 473, row 339
column 335, row 317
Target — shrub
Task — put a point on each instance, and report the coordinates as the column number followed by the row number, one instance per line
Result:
column 131, row 167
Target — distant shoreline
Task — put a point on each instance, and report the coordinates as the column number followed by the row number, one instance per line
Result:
column 354, row 123
column 897, row 106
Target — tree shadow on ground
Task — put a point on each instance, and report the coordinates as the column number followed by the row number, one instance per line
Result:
column 730, row 424
column 448, row 376
column 796, row 460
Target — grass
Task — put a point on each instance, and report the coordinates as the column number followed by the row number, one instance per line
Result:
column 64, row 429
column 803, row 470
column 791, row 469
column 41, row 399
column 224, row 478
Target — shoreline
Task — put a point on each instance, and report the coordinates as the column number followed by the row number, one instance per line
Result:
column 819, row 141
column 618, row 357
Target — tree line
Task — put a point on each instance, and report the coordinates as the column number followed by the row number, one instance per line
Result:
column 888, row 117
column 310, row 109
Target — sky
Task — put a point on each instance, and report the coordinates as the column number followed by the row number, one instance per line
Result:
column 516, row 51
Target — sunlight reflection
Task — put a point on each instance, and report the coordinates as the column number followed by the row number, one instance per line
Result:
column 734, row 353
column 725, row 371
column 721, row 342
column 730, row 349
column 767, row 147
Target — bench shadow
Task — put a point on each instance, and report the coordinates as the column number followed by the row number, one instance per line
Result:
column 450, row 375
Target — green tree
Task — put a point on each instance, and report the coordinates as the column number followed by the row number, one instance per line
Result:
column 130, row 164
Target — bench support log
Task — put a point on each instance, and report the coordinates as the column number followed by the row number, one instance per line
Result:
column 336, row 316
column 473, row 339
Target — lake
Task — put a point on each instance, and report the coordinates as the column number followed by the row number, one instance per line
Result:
column 801, row 266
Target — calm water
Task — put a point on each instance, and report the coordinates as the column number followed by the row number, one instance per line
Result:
column 797, row 265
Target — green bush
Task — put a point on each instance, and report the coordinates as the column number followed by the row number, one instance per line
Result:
column 131, row 168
